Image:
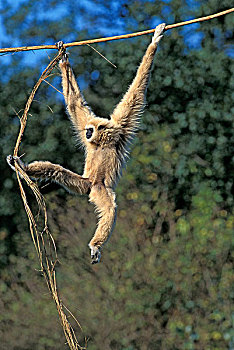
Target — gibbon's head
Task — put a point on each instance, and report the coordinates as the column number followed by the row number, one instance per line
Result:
column 100, row 131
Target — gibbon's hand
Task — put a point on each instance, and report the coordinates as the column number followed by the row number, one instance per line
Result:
column 158, row 33
column 95, row 254
column 11, row 161
column 60, row 46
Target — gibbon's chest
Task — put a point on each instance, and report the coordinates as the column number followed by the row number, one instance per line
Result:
column 101, row 164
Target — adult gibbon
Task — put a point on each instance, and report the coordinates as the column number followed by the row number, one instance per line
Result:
column 105, row 141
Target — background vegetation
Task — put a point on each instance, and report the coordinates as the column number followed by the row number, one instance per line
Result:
column 165, row 280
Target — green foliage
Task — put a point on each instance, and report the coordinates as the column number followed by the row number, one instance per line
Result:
column 165, row 280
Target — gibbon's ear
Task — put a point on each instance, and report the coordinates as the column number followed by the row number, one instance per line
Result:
column 101, row 127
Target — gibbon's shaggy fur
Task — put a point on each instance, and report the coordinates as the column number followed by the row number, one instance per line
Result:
column 105, row 141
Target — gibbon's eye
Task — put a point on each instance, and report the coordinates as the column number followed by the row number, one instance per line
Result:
column 101, row 127
column 89, row 133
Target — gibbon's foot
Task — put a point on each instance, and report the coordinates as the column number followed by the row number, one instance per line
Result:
column 11, row 161
column 60, row 46
column 95, row 254
column 158, row 33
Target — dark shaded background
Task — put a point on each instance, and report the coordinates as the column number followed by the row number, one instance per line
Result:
column 165, row 279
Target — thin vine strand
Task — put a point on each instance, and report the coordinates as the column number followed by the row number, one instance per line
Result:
column 117, row 37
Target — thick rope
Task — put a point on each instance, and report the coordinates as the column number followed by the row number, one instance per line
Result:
column 42, row 239
column 125, row 36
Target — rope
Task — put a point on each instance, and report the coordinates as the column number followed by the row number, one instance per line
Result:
column 43, row 240
column 125, row 36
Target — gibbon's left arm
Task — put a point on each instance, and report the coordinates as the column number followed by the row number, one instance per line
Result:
column 126, row 114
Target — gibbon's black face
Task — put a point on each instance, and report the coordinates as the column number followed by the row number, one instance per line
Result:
column 99, row 131
column 93, row 131
column 89, row 133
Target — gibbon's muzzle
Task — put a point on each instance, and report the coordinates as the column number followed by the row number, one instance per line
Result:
column 89, row 133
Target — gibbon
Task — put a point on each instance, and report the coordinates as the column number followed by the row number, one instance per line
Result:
column 106, row 143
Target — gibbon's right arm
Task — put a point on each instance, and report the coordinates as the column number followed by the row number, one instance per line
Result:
column 80, row 113
column 126, row 114
column 49, row 171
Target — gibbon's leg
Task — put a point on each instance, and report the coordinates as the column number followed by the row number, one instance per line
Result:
column 104, row 200
column 78, row 109
column 126, row 114
column 46, row 170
